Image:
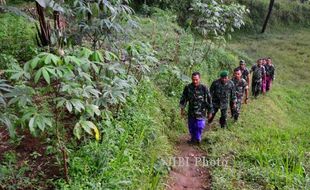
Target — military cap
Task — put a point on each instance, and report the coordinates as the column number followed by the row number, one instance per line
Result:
column 224, row 73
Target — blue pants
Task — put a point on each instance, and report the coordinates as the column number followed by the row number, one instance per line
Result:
column 196, row 127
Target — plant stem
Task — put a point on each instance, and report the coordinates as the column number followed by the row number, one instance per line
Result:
column 62, row 148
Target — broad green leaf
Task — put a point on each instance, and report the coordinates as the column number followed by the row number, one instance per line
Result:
column 40, row 123
column 93, row 109
column 73, row 59
column 48, row 122
column 96, row 69
column 16, row 76
column 69, row 106
column 94, row 92
column 32, row 63
column 6, row 120
column 32, row 125
column 60, row 102
column 87, row 126
column 51, row 71
column 85, row 52
column 46, row 76
column 78, row 105
column 77, row 131
column 96, row 56
column 51, row 59
column 110, row 56
column 38, row 75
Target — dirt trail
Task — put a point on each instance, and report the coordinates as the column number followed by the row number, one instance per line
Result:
column 188, row 171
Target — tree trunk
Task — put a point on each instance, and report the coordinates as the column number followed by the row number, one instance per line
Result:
column 268, row 15
column 2, row 2
column 44, row 33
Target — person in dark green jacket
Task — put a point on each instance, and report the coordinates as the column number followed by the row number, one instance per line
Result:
column 199, row 102
column 222, row 92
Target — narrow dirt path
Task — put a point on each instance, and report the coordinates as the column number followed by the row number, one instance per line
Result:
column 188, row 171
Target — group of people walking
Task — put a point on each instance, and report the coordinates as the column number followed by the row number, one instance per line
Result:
column 224, row 93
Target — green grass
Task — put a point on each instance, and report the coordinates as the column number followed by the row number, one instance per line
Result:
column 162, row 31
column 17, row 36
column 284, row 13
column 133, row 148
column 269, row 147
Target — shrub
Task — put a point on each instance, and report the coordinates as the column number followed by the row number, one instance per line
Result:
column 16, row 36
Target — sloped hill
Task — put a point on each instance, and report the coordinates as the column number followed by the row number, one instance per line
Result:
column 269, row 147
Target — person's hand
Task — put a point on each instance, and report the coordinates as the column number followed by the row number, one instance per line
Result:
column 234, row 105
column 209, row 116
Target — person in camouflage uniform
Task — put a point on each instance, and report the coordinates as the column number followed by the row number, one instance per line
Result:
column 270, row 72
column 245, row 72
column 258, row 73
column 200, row 102
column 241, row 87
column 222, row 92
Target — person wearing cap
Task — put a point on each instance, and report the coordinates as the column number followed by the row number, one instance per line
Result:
column 222, row 92
column 241, row 87
column 258, row 74
column 199, row 102
column 244, row 71
column 270, row 72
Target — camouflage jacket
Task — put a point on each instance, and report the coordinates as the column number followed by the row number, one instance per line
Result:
column 258, row 72
column 199, row 100
column 240, row 87
column 245, row 73
column 270, row 70
column 222, row 93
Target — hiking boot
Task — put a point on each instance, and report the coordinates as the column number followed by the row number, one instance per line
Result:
column 236, row 118
column 223, row 126
column 191, row 141
column 198, row 142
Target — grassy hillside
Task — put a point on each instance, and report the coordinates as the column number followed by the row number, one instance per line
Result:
column 284, row 13
column 269, row 147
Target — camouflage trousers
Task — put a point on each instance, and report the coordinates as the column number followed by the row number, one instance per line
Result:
column 223, row 118
column 235, row 112
column 256, row 87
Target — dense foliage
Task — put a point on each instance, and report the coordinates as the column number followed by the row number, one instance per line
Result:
column 17, row 37
column 101, row 98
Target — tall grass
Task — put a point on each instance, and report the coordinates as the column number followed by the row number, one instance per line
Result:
column 284, row 13
column 133, row 148
column 269, row 147
column 16, row 37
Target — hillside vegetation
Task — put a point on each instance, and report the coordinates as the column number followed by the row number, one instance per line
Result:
column 269, row 147
column 99, row 110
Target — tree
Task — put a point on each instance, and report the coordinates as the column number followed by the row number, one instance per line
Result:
column 101, row 20
column 44, row 36
column 271, row 3
column 213, row 21
column 45, row 33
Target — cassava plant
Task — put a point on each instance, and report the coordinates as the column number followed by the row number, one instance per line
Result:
column 6, row 117
column 53, row 93
column 213, row 21
column 102, row 20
